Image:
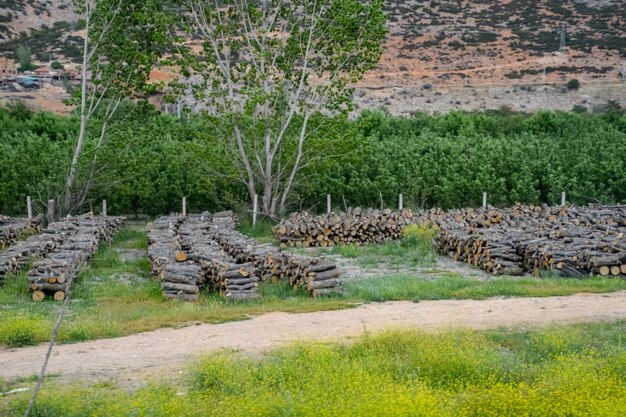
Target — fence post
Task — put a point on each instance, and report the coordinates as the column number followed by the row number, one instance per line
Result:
column 400, row 202
column 184, row 206
column 29, row 208
column 329, row 206
column 563, row 198
column 484, row 200
column 255, row 209
column 104, row 207
column 50, row 211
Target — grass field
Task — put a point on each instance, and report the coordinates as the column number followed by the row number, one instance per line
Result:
column 575, row 370
column 115, row 296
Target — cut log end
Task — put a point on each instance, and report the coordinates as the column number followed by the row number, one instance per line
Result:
column 59, row 296
column 38, row 296
column 181, row 256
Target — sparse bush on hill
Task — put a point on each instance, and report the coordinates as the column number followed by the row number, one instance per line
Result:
column 573, row 84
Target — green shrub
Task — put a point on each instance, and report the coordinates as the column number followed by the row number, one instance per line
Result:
column 21, row 331
column 421, row 235
column 573, row 84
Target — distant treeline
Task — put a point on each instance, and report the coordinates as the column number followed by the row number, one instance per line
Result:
column 150, row 160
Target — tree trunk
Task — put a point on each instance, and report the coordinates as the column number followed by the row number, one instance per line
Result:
column 71, row 177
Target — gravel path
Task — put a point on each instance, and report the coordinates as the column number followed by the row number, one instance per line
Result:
column 132, row 358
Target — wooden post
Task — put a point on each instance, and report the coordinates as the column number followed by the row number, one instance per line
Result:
column 484, row 200
column 255, row 209
column 382, row 205
column 50, row 211
column 184, row 206
column 400, row 202
column 563, row 198
column 104, row 207
column 329, row 206
column 29, row 208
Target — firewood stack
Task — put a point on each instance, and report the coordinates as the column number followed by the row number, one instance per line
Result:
column 186, row 257
column 316, row 276
column 12, row 230
column 179, row 280
column 233, row 281
column 573, row 242
column 356, row 227
column 570, row 241
column 81, row 237
column 18, row 256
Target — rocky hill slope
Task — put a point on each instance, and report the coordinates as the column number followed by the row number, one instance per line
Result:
column 439, row 54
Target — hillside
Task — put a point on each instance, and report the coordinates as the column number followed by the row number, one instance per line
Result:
column 439, row 55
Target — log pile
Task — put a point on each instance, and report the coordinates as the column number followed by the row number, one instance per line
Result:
column 78, row 239
column 189, row 253
column 13, row 230
column 356, row 227
column 318, row 277
column 18, row 256
column 186, row 257
column 573, row 242
column 178, row 281
column 570, row 241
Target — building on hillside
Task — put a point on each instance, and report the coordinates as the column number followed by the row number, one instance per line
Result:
column 7, row 68
column 43, row 72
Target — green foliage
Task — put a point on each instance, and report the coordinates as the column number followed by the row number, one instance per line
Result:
column 22, row 53
column 448, row 161
column 453, row 286
column 56, row 65
column 575, row 370
column 391, row 254
column 150, row 160
column 262, row 232
column 22, row 330
column 261, row 87
column 573, row 84
column 421, row 235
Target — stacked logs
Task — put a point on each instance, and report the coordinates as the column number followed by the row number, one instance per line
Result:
column 178, row 280
column 574, row 242
column 185, row 256
column 13, row 230
column 318, row 277
column 78, row 239
column 570, row 241
column 233, row 279
column 18, row 256
column 354, row 227
column 484, row 248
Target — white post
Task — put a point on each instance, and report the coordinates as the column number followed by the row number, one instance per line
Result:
column 29, row 208
column 329, row 206
column 563, row 198
column 50, row 211
column 484, row 200
column 400, row 202
column 104, row 207
column 178, row 109
column 184, row 206
column 255, row 209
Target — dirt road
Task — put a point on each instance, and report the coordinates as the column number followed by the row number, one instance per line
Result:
column 134, row 357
